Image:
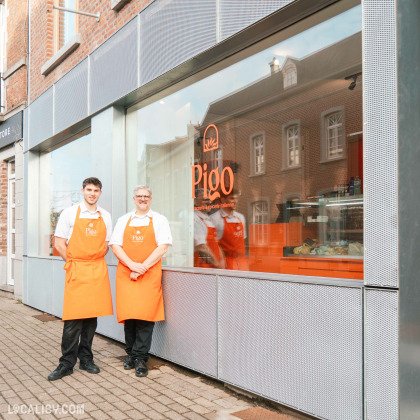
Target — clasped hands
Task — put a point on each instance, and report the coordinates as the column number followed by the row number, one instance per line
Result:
column 137, row 270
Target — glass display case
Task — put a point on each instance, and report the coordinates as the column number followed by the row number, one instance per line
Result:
column 331, row 227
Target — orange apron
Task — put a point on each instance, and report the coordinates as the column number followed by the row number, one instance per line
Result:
column 212, row 243
column 140, row 299
column 233, row 245
column 87, row 292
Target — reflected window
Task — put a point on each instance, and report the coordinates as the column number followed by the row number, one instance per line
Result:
column 258, row 154
column 260, row 218
column 333, row 134
column 291, row 145
column 289, row 75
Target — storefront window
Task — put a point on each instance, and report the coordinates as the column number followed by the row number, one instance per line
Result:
column 61, row 174
column 265, row 159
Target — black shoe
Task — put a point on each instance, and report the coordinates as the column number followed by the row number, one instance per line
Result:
column 60, row 372
column 129, row 363
column 89, row 366
column 141, row 368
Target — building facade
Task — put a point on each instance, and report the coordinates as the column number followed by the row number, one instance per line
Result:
column 290, row 114
column 13, row 100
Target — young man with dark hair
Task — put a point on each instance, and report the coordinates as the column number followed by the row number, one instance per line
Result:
column 81, row 239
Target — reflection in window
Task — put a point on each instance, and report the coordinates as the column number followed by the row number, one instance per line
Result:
column 290, row 75
column 258, row 155
column 293, row 146
column 306, row 221
column 260, row 218
column 335, row 135
column 61, row 185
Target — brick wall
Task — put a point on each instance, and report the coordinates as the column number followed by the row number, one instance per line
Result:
column 93, row 34
column 16, row 49
column 3, row 208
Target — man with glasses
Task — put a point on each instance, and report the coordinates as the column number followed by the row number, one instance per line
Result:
column 139, row 241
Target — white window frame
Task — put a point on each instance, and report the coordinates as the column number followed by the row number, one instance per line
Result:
column 285, row 145
column 289, row 75
column 257, row 169
column 217, row 158
column 11, row 230
column 325, row 156
column 261, row 233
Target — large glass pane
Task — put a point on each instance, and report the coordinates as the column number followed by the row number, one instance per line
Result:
column 270, row 152
column 61, row 174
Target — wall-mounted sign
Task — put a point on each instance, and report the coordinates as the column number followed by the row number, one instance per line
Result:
column 11, row 130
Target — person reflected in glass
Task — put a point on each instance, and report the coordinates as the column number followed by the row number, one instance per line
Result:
column 231, row 232
column 81, row 239
column 139, row 241
column 207, row 250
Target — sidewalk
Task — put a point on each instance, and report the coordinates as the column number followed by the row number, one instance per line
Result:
column 30, row 349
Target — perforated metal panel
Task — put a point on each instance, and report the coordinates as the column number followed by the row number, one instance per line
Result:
column 380, row 142
column 189, row 334
column 114, row 67
column 381, row 354
column 297, row 344
column 41, row 118
column 71, row 97
column 172, row 31
column 238, row 14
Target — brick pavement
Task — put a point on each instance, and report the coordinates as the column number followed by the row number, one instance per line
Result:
column 30, row 349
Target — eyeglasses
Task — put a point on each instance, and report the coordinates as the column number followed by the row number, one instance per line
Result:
column 142, row 197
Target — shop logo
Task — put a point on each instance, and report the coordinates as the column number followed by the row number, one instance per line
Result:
column 215, row 179
column 138, row 232
column 90, row 231
column 138, row 238
column 211, row 138
column 91, row 225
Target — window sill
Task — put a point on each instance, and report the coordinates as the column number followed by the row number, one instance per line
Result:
column 291, row 168
column 61, row 55
column 117, row 5
column 332, row 160
column 255, row 175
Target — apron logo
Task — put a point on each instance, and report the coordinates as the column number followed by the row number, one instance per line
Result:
column 138, row 232
column 90, row 232
column 138, row 238
column 238, row 234
column 91, row 225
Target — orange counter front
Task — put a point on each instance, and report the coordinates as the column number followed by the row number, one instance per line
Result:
column 266, row 243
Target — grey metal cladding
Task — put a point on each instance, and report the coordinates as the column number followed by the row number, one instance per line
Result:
column 297, row 344
column 71, row 96
column 25, row 129
column 173, row 31
column 381, row 354
column 41, row 118
column 114, row 67
column 189, row 334
column 380, row 142
column 236, row 15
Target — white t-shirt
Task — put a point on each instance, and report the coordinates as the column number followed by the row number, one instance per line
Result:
column 201, row 221
column 160, row 226
column 219, row 222
column 65, row 225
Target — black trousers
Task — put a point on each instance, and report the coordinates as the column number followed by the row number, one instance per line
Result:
column 77, row 340
column 138, row 338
